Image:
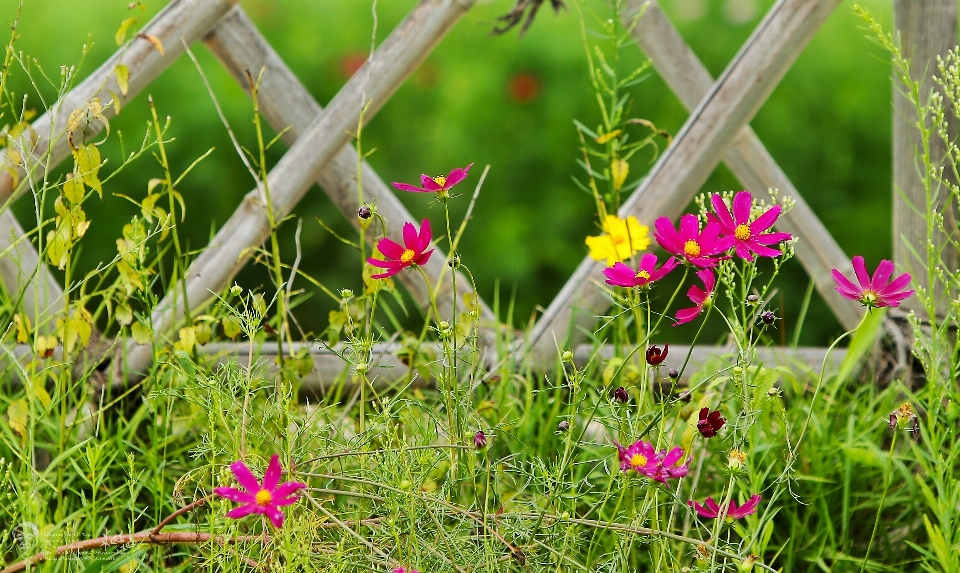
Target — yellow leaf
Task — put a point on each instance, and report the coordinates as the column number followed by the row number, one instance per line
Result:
column 121, row 35
column 82, row 227
column 40, row 393
column 124, row 314
column 76, row 118
column 23, row 328
column 230, row 327
column 45, row 345
column 619, row 169
column 73, row 189
column 123, row 78
column 141, row 333
column 152, row 184
column 14, row 156
column 17, row 413
column 87, row 159
column 188, row 339
column 153, row 40
column 601, row 139
column 203, row 333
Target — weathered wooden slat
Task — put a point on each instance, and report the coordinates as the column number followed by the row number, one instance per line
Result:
column 364, row 94
column 180, row 21
column 747, row 158
column 24, row 277
column 284, row 102
column 329, row 369
column 927, row 29
column 697, row 149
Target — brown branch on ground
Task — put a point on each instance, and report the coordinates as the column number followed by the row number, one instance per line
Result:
column 514, row 16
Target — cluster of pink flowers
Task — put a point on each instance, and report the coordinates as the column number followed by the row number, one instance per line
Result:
column 644, row 459
column 704, row 247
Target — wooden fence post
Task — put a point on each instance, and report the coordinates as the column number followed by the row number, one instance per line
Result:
column 926, row 29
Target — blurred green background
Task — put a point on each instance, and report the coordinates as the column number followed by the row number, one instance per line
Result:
column 490, row 100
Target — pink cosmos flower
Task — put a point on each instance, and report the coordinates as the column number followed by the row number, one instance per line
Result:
column 711, row 509
column 646, row 273
column 689, row 242
column 439, row 184
column 645, row 460
column 874, row 292
column 748, row 238
column 698, row 296
column 265, row 498
column 412, row 253
column 404, row 570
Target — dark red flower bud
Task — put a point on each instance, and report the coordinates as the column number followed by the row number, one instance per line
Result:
column 364, row 212
column 674, row 373
column 655, row 356
column 480, row 440
column 768, row 317
column 620, row 395
column 563, row 426
column 710, row 422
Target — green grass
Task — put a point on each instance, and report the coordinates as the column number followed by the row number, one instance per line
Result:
column 394, row 478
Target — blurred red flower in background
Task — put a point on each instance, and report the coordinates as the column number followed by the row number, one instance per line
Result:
column 524, row 87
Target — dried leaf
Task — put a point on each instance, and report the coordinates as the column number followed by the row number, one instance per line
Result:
column 17, row 413
column 153, row 40
column 619, row 169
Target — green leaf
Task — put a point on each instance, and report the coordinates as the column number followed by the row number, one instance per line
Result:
column 73, row 189
column 862, row 342
column 141, row 333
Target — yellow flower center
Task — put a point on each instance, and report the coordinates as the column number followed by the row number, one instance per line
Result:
column 619, row 239
column 742, row 233
column 440, row 180
column 263, row 497
column 638, row 460
column 869, row 298
column 691, row 248
column 407, row 256
column 643, row 275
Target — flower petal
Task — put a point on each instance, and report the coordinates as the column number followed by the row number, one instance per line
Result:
column 882, row 275
column 685, row 315
column 390, row 249
column 689, row 227
column 457, row 175
column 861, row 270
column 244, row 477
column 429, row 184
column 667, row 236
column 234, row 494
column 742, row 203
column 722, row 212
column 425, row 236
column 272, row 476
column 243, row 511
column 845, row 286
column 275, row 516
column 410, row 239
column 766, row 220
column 896, row 284
column 287, row 489
column 408, row 187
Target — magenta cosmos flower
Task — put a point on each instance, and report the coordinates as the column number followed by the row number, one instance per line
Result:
column 642, row 458
column 874, row 292
column 439, row 184
column 698, row 296
column 404, row 570
column 690, row 243
column 412, row 253
column 265, row 498
column 646, row 273
column 748, row 238
column 711, row 509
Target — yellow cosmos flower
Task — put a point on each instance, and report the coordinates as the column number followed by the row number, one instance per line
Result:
column 621, row 239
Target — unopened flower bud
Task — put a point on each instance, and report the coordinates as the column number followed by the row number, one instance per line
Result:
column 753, row 299
column 362, row 368
column 364, row 211
column 621, row 395
column 773, row 391
column 674, row 373
column 480, row 440
column 567, row 356
column 768, row 317
column 405, row 484
column 346, row 293
column 235, row 290
column 444, row 327
column 563, row 426
column 454, row 261
column 953, row 412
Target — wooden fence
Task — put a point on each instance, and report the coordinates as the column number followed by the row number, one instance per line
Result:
column 320, row 151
